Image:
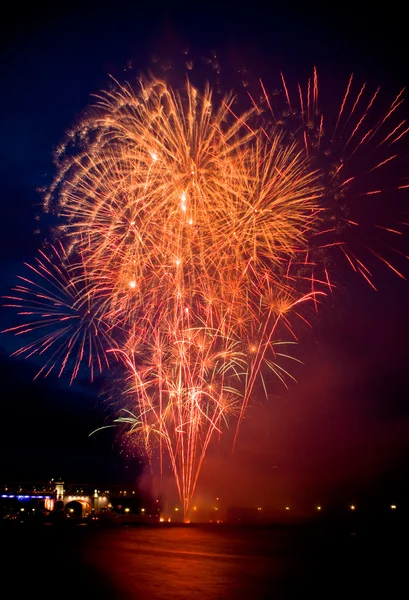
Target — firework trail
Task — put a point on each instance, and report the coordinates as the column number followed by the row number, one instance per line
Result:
column 61, row 314
column 193, row 238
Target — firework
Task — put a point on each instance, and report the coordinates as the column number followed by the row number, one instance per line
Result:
column 61, row 315
column 361, row 152
column 194, row 240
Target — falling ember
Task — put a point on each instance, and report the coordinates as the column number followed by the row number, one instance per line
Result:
column 193, row 265
column 183, row 201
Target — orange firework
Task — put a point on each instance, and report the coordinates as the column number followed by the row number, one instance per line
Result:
column 191, row 235
column 61, row 314
column 361, row 151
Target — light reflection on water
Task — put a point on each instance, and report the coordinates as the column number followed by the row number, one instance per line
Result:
column 199, row 563
column 190, row 563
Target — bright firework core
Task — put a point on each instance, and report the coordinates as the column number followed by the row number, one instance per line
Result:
column 186, row 252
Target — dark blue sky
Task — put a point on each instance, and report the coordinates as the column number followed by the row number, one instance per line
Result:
column 349, row 410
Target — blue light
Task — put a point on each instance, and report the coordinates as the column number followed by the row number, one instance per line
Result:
column 21, row 497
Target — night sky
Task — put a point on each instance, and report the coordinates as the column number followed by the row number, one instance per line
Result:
column 341, row 431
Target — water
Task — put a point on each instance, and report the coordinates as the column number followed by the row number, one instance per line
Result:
column 202, row 563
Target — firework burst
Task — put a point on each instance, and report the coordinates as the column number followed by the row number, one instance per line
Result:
column 191, row 235
column 61, row 315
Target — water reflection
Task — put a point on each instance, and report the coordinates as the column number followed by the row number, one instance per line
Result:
column 191, row 563
column 202, row 563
